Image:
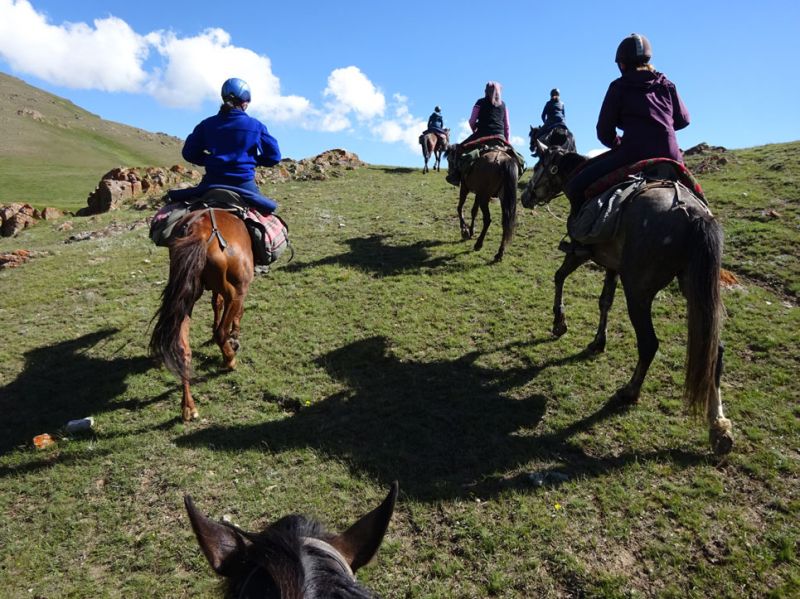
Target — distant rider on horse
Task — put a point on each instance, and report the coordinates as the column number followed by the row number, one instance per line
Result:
column 553, row 113
column 645, row 105
column 489, row 118
column 230, row 145
column 436, row 125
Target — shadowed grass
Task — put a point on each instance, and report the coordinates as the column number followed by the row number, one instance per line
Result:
column 386, row 350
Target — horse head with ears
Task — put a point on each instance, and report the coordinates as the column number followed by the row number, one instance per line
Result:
column 293, row 558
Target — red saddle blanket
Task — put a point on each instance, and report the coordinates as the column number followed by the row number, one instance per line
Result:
column 653, row 168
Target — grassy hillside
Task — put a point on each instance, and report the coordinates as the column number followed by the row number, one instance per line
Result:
column 390, row 350
column 53, row 153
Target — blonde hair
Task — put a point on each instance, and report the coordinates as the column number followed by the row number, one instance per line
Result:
column 645, row 67
column 492, row 93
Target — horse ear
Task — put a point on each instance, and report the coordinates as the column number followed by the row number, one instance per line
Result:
column 540, row 147
column 359, row 543
column 223, row 546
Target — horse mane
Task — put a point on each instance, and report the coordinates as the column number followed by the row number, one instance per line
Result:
column 280, row 561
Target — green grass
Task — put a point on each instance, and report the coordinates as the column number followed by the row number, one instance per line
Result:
column 387, row 350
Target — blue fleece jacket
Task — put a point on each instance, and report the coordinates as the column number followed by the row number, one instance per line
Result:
column 230, row 146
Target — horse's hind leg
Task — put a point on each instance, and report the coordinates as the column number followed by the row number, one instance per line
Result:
column 482, row 203
column 639, row 311
column 568, row 266
column 462, row 197
column 719, row 428
column 188, row 409
column 598, row 344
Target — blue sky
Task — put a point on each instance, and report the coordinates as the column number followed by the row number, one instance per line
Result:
column 365, row 75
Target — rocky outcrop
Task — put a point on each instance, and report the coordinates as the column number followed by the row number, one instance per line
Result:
column 14, row 259
column 708, row 159
column 137, row 186
column 123, row 185
column 331, row 163
column 17, row 216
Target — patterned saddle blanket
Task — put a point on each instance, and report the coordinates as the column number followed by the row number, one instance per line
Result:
column 269, row 233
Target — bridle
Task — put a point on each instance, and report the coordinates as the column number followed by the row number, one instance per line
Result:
column 326, row 548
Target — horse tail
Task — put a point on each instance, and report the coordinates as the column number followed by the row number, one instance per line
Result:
column 705, row 314
column 508, row 198
column 187, row 259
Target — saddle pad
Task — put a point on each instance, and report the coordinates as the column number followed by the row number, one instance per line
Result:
column 652, row 168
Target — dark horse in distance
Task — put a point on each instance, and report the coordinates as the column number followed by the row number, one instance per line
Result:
column 434, row 144
column 494, row 174
column 557, row 137
column 664, row 233
column 293, row 558
column 214, row 252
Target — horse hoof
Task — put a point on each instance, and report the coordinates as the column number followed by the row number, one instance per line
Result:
column 478, row 246
column 559, row 329
column 721, row 436
column 190, row 414
column 465, row 234
column 596, row 347
column 623, row 398
column 231, row 365
column 497, row 258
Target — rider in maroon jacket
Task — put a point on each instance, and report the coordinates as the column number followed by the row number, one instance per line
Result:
column 645, row 105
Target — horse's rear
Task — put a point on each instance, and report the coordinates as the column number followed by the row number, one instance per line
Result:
column 214, row 253
column 665, row 233
column 433, row 145
column 494, row 174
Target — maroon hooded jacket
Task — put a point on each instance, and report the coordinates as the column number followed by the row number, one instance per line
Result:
column 645, row 105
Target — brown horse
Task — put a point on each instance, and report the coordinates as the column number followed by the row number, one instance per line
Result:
column 494, row 174
column 665, row 233
column 433, row 143
column 215, row 253
column 294, row 558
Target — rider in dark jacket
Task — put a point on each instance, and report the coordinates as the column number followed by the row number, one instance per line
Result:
column 230, row 145
column 435, row 121
column 553, row 113
column 645, row 105
column 489, row 117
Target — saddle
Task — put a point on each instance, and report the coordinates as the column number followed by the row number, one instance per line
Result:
column 469, row 152
column 599, row 216
column 664, row 169
column 269, row 233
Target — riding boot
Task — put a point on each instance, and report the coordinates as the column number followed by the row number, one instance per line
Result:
column 575, row 247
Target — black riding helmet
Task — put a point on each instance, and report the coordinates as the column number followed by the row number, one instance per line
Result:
column 634, row 50
column 554, row 92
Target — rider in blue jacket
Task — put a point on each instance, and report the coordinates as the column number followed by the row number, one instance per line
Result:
column 230, row 145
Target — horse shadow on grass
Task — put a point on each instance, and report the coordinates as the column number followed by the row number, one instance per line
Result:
column 374, row 255
column 444, row 429
column 62, row 382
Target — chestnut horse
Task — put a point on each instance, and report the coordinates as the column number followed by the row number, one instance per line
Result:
column 494, row 174
column 664, row 233
column 294, row 558
column 215, row 253
column 433, row 143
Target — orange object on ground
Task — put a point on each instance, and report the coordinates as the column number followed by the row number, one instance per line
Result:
column 42, row 441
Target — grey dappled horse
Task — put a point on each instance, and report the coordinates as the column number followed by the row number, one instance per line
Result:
column 664, row 233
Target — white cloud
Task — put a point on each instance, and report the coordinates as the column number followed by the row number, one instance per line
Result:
column 351, row 90
column 110, row 56
column 196, row 67
column 402, row 127
column 107, row 56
